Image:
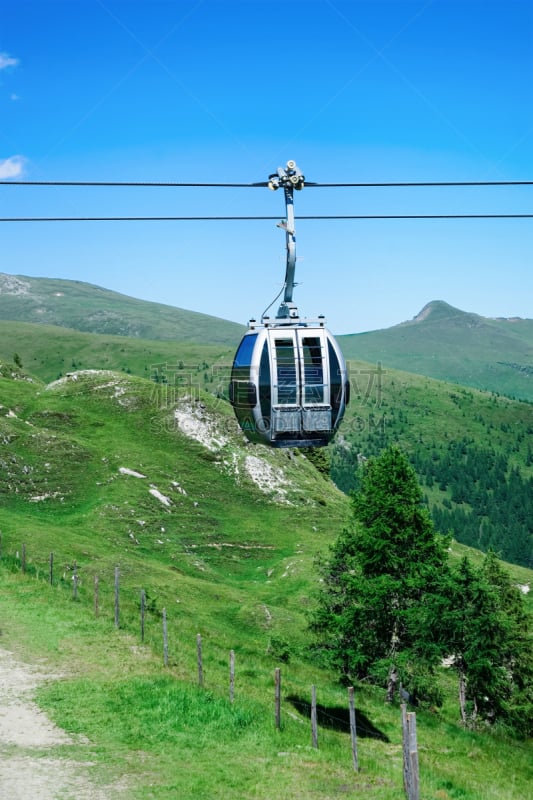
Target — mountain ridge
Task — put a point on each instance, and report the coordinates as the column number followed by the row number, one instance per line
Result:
column 446, row 343
column 440, row 309
column 93, row 309
column 441, row 341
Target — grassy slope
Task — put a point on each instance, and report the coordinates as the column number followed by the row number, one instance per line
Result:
column 69, row 442
column 49, row 351
column 224, row 560
column 416, row 411
column 419, row 412
column 85, row 307
column 442, row 342
column 153, row 730
column 452, row 345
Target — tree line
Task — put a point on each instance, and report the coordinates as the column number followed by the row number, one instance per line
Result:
column 393, row 607
column 488, row 502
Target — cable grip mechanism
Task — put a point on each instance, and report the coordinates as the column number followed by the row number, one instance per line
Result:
column 288, row 178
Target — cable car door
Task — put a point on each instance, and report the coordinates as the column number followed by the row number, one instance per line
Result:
column 286, row 388
column 300, row 391
column 315, row 400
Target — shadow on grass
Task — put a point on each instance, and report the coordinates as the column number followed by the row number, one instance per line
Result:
column 338, row 718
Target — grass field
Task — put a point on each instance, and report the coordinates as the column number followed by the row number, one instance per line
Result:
column 153, row 729
column 230, row 555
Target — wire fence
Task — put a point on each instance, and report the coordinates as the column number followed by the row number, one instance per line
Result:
column 133, row 616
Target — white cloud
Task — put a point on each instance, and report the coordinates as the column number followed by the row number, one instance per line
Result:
column 11, row 167
column 7, row 61
column 14, row 97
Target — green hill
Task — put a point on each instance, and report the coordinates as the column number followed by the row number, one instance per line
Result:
column 208, row 503
column 107, row 470
column 472, row 450
column 84, row 307
column 452, row 345
column 441, row 341
column 49, row 351
column 120, row 451
column 449, row 431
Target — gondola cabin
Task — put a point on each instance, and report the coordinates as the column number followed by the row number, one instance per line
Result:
column 289, row 384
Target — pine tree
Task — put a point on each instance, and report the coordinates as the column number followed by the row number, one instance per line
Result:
column 381, row 580
column 516, row 654
column 487, row 630
column 469, row 628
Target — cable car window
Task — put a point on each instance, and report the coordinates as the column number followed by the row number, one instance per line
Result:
column 286, row 372
column 313, row 372
column 265, row 396
column 243, row 394
column 335, row 377
column 243, row 357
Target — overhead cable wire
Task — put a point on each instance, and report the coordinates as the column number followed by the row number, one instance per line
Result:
column 252, row 218
column 403, row 184
column 141, row 184
column 263, row 184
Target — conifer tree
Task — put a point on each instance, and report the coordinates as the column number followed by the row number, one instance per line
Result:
column 381, row 581
column 516, row 653
column 487, row 631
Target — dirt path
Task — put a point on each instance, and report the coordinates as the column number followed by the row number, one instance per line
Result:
column 30, row 768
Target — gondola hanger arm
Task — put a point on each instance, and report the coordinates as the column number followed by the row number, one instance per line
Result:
column 288, row 178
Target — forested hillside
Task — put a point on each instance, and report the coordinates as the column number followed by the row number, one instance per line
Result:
column 488, row 502
column 472, row 452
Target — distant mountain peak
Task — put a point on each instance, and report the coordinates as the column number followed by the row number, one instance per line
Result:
column 437, row 309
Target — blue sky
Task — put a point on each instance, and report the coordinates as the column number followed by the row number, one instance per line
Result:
column 227, row 91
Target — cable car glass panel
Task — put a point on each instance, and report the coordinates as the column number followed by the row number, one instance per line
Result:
column 335, row 378
column 287, row 389
column 243, row 393
column 313, row 371
column 243, row 357
column 265, row 394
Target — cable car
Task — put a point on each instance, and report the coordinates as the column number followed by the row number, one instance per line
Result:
column 289, row 382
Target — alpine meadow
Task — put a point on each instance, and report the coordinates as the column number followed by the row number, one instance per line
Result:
column 185, row 594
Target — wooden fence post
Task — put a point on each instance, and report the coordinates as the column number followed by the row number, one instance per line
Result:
column 277, row 697
column 75, row 582
column 231, row 675
column 353, row 729
column 413, row 756
column 96, row 608
column 410, row 755
column 143, row 611
column 116, row 598
column 165, row 638
column 314, row 728
column 200, row 661
column 405, row 743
